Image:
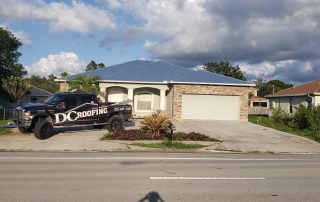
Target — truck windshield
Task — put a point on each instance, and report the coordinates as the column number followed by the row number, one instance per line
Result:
column 53, row 100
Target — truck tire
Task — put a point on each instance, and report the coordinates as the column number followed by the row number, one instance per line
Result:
column 24, row 130
column 98, row 126
column 43, row 129
column 114, row 123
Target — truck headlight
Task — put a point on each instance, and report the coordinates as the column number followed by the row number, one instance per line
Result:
column 27, row 115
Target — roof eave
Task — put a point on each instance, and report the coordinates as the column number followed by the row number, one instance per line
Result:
column 218, row 84
column 290, row 95
column 172, row 82
column 133, row 82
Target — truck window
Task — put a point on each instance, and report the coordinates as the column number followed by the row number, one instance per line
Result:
column 70, row 102
column 86, row 99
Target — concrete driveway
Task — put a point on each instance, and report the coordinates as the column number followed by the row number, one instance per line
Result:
column 249, row 137
column 236, row 136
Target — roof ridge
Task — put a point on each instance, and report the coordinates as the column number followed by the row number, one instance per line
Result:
column 41, row 89
column 139, row 67
column 184, row 68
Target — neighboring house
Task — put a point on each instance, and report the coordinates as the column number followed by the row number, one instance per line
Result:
column 258, row 105
column 34, row 95
column 307, row 94
column 181, row 92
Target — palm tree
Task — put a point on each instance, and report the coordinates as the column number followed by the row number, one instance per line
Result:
column 16, row 87
column 85, row 84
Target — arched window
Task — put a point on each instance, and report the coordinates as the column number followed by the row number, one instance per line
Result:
column 115, row 94
column 144, row 101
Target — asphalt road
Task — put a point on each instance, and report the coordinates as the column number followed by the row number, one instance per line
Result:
column 154, row 177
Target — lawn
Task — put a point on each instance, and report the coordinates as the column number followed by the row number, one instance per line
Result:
column 4, row 131
column 267, row 121
column 3, row 122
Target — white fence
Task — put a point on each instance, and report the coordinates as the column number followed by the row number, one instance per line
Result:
column 258, row 111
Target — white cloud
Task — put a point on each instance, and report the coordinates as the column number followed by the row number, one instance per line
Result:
column 262, row 34
column 78, row 16
column 55, row 64
column 21, row 35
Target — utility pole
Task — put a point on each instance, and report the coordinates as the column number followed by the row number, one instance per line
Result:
column 272, row 88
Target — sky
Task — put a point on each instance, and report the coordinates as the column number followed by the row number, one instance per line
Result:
column 268, row 39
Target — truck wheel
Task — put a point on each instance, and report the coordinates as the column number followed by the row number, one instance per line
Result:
column 98, row 126
column 43, row 129
column 24, row 130
column 114, row 123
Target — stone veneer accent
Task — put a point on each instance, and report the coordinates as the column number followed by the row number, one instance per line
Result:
column 179, row 89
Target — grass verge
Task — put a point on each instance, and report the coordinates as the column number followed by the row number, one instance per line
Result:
column 169, row 145
column 267, row 121
column 4, row 131
column 4, row 122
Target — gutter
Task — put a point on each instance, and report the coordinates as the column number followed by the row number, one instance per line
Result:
column 170, row 82
column 290, row 95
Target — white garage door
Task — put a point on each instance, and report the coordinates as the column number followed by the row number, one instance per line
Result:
column 210, row 107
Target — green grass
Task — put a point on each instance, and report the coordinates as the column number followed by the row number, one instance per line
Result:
column 290, row 128
column 169, row 145
column 3, row 122
column 4, row 131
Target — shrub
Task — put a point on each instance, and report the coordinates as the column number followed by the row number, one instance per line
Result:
column 156, row 124
column 134, row 134
column 129, row 135
column 192, row 136
column 301, row 117
column 314, row 119
column 279, row 116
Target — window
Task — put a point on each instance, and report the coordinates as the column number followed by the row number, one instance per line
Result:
column 144, row 102
column 70, row 102
column 86, row 99
column 260, row 104
column 264, row 104
column 33, row 99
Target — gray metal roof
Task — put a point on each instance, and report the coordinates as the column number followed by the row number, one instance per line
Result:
column 158, row 72
column 38, row 92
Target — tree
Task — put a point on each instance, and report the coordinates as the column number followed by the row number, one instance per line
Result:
column 268, row 87
column 52, row 77
column 44, row 83
column 93, row 65
column 16, row 87
column 224, row 68
column 85, row 84
column 9, row 56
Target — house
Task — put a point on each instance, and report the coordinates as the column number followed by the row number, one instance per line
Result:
column 258, row 105
column 181, row 92
column 35, row 95
column 307, row 94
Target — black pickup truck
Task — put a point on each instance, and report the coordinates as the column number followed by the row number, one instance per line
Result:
column 69, row 109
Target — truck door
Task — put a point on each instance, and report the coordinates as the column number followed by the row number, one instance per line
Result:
column 63, row 108
column 86, row 110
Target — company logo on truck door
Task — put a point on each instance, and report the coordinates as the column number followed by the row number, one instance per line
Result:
column 74, row 115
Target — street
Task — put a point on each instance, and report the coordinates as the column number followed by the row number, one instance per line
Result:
column 40, row 176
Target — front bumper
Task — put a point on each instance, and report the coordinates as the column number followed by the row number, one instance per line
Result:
column 22, row 122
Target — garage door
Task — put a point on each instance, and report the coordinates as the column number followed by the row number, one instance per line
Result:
column 210, row 107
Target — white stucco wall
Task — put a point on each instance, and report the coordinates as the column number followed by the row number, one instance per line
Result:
column 284, row 102
column 154, row 89
column 170, row 103
column 317, row 100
